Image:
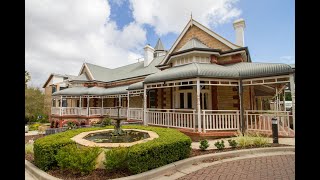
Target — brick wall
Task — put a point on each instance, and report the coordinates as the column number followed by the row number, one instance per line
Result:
column 136, row 102
column 227, row 98
column 204, row 37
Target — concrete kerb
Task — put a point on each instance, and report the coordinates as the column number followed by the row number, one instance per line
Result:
column 173, row 166
column 38, row 173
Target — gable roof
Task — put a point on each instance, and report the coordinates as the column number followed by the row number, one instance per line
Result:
column 60, row 75
column 205, row 29
column 104, row 74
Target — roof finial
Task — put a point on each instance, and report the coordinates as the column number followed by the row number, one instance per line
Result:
column 191, row 15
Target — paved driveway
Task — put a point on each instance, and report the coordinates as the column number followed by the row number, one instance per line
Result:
column 266, row 167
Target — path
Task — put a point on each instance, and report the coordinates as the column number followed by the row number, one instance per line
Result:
column 267, row 167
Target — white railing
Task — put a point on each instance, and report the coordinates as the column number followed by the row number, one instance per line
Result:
column 113, row 111
column 95, row 111
column 55, row 110
column 69, row 111
column 136, row 114
column 220, row 119
column 260, row 121
column 83, row 111
column 180, row 118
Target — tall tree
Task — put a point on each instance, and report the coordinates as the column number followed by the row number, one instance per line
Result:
column 34, row 103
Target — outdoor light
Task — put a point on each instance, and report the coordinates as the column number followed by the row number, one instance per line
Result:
column 275, row 130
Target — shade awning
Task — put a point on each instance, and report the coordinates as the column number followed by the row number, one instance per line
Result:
column 240, row 70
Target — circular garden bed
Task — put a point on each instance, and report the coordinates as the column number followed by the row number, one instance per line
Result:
column 60, row 156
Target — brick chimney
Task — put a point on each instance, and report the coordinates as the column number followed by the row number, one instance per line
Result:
column 239, row 26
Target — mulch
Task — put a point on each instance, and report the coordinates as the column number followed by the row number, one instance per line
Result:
column 101, row 174
column 32, row 137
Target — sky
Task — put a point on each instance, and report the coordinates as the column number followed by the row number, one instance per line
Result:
column 61, row 35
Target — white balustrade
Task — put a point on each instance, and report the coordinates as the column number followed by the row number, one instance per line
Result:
column 55, row 110
column 136, row 114
column 260, row 121
column 180, row 118
column 220, row 119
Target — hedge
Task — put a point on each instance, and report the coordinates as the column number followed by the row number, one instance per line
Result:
column 171, row 146
column 78, row 160
column 47, row 147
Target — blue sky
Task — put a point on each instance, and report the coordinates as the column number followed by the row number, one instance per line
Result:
column 269, row 33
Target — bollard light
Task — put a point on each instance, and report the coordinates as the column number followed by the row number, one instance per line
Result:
column 275, row 130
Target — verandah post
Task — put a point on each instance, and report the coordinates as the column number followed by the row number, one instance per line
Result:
column 145, row 105
column 198, row 105
column 128, row 100
column 241, row 106
column 60, row 105
column 292, row 89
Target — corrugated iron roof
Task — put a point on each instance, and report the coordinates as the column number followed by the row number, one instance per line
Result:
column 135, row 86
column 232, row 71
column 100, row 91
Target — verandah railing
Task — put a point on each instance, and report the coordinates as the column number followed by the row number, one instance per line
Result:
column 180, row 118
column 261, row 121
column 220, row 119
column 135, row 114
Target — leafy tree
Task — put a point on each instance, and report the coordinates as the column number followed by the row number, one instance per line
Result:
column 27, row 77
column 34, row 104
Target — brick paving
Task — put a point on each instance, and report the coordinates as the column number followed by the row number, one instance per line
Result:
column 276, row 167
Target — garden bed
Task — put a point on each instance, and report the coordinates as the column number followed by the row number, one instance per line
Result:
column 198, row 152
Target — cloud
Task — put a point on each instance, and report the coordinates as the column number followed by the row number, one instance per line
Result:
column 61, row 35
column 171, row 16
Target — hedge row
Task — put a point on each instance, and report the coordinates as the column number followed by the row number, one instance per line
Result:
column 46, row 148
column 171, row 146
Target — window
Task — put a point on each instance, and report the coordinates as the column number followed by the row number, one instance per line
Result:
column 64, row 103
column 78, row 103
column 204, row 100
column 181, row 100
column 152, row 98
column 189, row 100
column 54, row 89
column 185, row 100
column 53, row 103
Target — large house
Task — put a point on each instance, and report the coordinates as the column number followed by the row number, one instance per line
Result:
column 204, row 84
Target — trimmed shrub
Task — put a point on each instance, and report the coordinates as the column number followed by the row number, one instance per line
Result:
column 204, row 144
column 233, row 143
column 219, row 145
column 171, row 146
column 47, row 147
column 77, row 160
column 106, row 121
column 34, row 127
column 116, row 159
